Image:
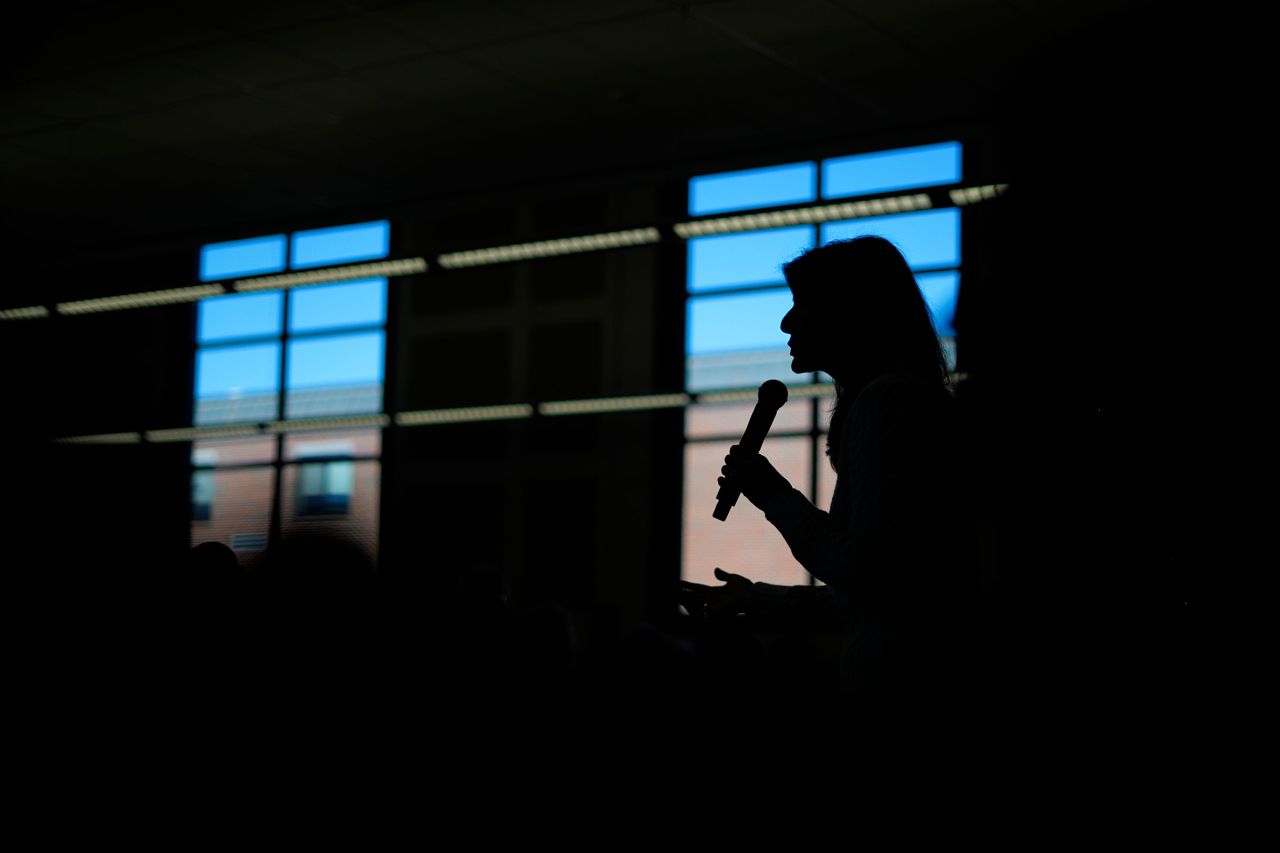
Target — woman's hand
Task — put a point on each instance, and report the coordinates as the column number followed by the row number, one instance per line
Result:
column 716, row 602
column 752, row 475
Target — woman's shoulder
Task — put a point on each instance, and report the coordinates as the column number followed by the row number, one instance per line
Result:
column 901, row 391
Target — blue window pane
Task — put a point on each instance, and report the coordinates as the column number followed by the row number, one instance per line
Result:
column 885, row 171
column 255, row 256
column 750, row 188
column 253, row 369
column 333, row 306
column 239, row 315
column 745, row 259
column 929, row 238
column 237, row 383
column 734, row 341
column 941, row 291
column 342, row 244
column 740, row 322
column 335, row 375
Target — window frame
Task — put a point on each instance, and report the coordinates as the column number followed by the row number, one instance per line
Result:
column 278, row 464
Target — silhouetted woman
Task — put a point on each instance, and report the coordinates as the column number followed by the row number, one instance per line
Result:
column 893, row 550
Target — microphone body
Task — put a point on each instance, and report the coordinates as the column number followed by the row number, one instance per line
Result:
column 771, row 397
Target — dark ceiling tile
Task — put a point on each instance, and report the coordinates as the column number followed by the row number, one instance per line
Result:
column 347, row 42
column 247, row 63
column 769, row 23
column 161, row 129
column 1002, row 30
column 459, row 24
column 435, row 78
column 157, row 82
column 850, row 55
column 16, row 162
column 39, row 47
column 15, row 121
column 248, row 114
column 68, row 99
column 477, row 97
column 332, row 99
column 80, row 143
column 571, row 13
column 242, row 157
column 253, row 16
column 680, row 52
column 561, row 67
column 318, row 146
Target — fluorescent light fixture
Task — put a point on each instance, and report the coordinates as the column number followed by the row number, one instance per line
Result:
column 378, row 269
column 973, row 195
column 729, row 396
column 549, row 248
column 108, row 438
column 804, row 215
column 817, row 389
column 35, row 312
column 614, row 404
column 465, row 415
column 160, row 436
column 820, row 389
column 305, row 424
column 141, row 300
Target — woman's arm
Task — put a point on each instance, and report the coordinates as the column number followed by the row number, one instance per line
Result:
column 834, row 550
column 762, row 604
column 884, row 461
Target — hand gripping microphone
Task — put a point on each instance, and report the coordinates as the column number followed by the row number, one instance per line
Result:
column 771, row 397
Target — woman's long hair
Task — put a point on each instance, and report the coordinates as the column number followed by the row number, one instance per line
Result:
column 871, row 306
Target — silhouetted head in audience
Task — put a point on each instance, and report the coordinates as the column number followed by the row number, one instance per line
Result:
column 306, row 569
column 317, row 613
column 858, row 313
column 213, row 563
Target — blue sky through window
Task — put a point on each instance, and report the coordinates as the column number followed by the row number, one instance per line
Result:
column 255, row 256
column 793, row 183
column 738, row 322
column 238, row 370
column 941, row 292
column 239, row 315
column 755, row 257
column 928, row 238
column 315, row 362
column 335, row 306
column 335, row 361
column 885, row 171
column 341, row 244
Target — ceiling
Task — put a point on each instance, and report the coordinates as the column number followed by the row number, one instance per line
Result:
column 141, row 125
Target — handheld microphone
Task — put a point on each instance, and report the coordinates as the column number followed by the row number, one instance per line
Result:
column 772, row 395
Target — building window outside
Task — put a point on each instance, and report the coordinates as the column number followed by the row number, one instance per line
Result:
column 201, row 495
column 308, row 351
column 736, row 297
column 325, row 486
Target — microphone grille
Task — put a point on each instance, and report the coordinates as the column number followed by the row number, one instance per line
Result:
column 773, row 393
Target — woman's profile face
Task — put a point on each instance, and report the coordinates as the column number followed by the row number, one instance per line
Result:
column 803, row 326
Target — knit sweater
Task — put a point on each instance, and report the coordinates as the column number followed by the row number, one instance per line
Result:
column 893, row 548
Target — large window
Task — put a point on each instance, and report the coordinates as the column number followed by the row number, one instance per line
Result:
column 288, row 355
column 736, row 300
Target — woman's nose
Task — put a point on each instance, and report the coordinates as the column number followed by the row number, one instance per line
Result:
column 785, row 325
